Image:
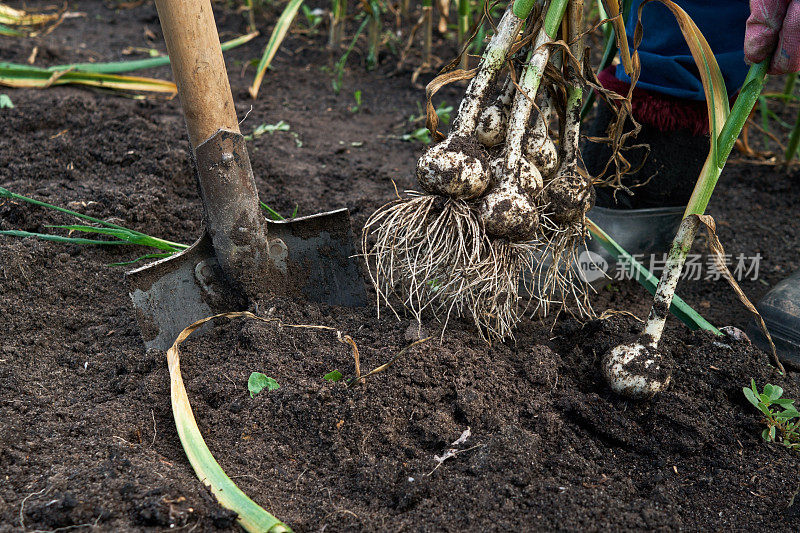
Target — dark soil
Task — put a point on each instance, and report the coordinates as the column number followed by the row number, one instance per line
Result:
column 86, row 430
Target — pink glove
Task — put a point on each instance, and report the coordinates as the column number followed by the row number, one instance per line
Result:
column 773, row 30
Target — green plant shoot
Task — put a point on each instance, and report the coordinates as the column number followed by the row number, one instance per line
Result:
column 333, row 375
column 782, row 426
column 258, row 382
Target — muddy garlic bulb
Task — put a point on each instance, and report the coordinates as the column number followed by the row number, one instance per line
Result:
column 508, row 210
column 636, row 370
column 456, row 167
column 569, row 195
column 539, row 147
column 493, row 120
column 492, row 126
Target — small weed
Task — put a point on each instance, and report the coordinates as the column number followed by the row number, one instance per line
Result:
column 334, row 375
column 421, row 135
column 267, row 128
column 357, row 107
column 5, row 102
column 443, row 111
column 314, row 17
column 258, row 382
column 338, row 69
column 782, row 426
column 272, row 128
column 274, row 215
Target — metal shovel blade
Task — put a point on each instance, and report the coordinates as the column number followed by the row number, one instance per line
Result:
column 313, row 258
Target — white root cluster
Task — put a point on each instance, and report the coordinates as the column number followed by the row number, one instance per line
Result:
column 501, row 225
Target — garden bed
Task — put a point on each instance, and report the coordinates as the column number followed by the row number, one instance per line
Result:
column 87, row 435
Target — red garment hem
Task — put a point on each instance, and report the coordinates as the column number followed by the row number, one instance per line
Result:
column 663, row 112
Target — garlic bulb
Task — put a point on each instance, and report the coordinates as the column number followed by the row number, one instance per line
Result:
column 508, row 211
column 456, row 167
column 636, row 370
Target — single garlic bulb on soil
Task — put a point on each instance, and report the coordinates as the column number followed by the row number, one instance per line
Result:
column 637, row 370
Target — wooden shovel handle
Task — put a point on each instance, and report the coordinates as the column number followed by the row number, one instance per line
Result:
column 198, row 67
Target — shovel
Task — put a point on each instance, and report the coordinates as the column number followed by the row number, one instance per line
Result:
column 240, row 255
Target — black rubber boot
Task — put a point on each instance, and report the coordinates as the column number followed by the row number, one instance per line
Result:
column 646, row 222
column 638, row 231
column 780, row 309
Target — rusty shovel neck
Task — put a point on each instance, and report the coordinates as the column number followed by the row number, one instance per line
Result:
column 231, row 212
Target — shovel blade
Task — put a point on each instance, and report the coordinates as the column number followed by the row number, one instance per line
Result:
column 172, row 293
column 313, row 258
column 320, row 263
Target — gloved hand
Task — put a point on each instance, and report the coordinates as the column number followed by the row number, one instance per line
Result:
column 773, row 30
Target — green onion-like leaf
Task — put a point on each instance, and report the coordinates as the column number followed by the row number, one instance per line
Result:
column 124, row 236
column 11, row 32
column 152, row 62
column 5, row 193
column 251, row 516
column 275, row 40
column 26, row 76
column 141, row 258
column 794, row 141
column 58, row 238
column 679, row 308
column 748, row 95
column 132, row 237
column 274, row 215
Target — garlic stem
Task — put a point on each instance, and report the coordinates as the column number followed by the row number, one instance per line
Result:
column 524, row 98
column 571, row 139
column 490, row 66
column 572, row 128
column 669, row 279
